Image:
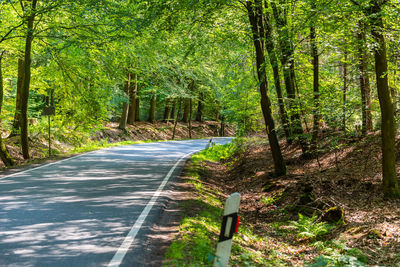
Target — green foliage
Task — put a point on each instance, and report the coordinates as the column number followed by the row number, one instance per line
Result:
column 343, row 260
column 272, row 199
column 336, row 253
column 194, row 247
column 267, row 201
column 308, row 227
column 219, row 152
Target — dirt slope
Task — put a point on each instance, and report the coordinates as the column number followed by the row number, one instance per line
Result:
column 347, row 174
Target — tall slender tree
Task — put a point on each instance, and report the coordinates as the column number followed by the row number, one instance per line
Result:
column 315, row 64
column 345, row 87
column 255, row 13
column 364, row 80
column 270, row 46
column 390, row 184
column 31, row 11
column 132, row 98
column 287, row 64
column 152, row 111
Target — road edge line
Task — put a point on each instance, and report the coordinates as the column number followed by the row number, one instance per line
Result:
column 124, row 248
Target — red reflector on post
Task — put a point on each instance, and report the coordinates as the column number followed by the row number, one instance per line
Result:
column 237, row 224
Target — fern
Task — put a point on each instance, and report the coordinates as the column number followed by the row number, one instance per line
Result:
column 307, row 227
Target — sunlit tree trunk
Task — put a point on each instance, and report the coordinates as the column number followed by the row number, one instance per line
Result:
column 255, row 13
column 125, row 109
column 124, row 116
column 27, row 80
column 390, row 186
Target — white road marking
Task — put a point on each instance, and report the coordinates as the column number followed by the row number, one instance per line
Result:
column 123, row 249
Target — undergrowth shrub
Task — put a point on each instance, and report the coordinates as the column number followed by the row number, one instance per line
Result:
column 309, row 228
column 336, row 253
column 342, row 260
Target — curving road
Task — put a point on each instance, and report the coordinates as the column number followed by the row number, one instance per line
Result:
column 90, row 210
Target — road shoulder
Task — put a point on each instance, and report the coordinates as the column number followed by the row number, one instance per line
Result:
column 167, row 226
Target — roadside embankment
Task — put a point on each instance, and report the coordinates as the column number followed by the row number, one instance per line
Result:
column 66, row 142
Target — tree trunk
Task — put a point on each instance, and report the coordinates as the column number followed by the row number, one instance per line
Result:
column 316, row 110
column 222, row 127
column 364, row 81
column 124, row 116
column 344, row 91
column 255, row 13
column 287, row 64
column 186, row 110
column 296, row 86
column 167, row 110
column 190, row 117
column 27, row 80
column 152, row 111
column 199, row 115
column 269, row 44
column 137, row 110
column 132, row 99
column 176, row 117
column 4, row 155
column 17, row 115
column 173, row 108
column 125, row 106
column 390, row 186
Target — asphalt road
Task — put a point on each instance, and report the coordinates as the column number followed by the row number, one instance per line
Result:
column 89, row 210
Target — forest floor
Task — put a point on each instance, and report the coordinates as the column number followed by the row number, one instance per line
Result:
column 346, row 174
column 69, row 143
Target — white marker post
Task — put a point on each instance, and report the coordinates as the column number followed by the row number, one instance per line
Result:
column 230, row 225
column 209, row 144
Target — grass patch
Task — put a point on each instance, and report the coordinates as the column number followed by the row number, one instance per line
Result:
column 219, row 152
column 96, row 145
